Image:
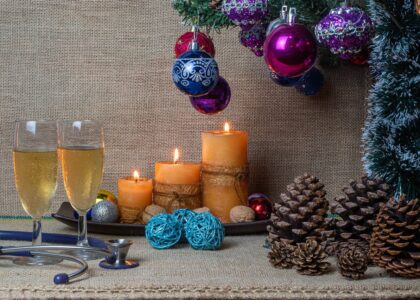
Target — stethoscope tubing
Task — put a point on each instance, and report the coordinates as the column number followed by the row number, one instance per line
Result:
column 55, row 238
column 97, row 246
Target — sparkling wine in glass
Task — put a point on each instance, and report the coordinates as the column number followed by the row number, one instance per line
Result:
column 81, row 150
column 35, row 166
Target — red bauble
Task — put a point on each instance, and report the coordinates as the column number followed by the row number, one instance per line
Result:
column 183, row 43
column 261, row 205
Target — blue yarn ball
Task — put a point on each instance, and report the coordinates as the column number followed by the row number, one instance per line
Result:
column 183, row 215
column 310, row 83
column 195, row 73
column 105, row 212
column 163, row 231
column 205, row 232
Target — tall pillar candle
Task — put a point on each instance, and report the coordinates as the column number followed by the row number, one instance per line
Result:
column 224, row 171
column 177, row 184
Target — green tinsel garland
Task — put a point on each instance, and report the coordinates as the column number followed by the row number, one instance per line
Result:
column 392, row 132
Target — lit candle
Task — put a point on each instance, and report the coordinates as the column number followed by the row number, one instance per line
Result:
column 177, row 184
column 225, row 170
column 134, row 194
column 176, row 172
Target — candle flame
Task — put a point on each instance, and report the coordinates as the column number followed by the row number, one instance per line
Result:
column 227, row 127
column 176, row 155
column 136, row 175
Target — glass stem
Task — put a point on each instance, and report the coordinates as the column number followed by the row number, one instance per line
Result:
column 36, row 232
column 82, row 239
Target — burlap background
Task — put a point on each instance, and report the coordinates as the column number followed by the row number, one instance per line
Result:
column 111, row 60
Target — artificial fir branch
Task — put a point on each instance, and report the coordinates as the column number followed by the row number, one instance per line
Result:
column 392, row 130
column 309, row 11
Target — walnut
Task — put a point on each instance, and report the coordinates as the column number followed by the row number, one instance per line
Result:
column 150, row 211
column 242, row 213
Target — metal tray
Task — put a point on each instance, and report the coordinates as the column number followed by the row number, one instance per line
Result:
column 65, row 215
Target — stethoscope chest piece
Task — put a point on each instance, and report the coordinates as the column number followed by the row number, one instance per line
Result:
column 117, row 261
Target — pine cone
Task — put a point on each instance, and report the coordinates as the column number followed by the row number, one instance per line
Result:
column 215, row 3
column 352, row 261
column 358, row 208
column 308, row 258
column 300, row 212
column 345, row 246
column 281, row 255
column 395, row 243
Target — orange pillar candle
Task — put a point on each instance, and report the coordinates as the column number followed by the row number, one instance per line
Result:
column 134, row 194
column 177, row 178
column 225, row 170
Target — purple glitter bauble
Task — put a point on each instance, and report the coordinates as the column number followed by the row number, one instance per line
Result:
column 345, row 31
column 253, row 39
column 290, row 50
column 245, row 13
column 215, row 101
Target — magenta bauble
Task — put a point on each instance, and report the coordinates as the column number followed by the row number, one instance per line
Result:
column 215, row 101
column 290, row 50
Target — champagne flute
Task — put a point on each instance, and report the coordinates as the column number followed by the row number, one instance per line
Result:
column 35, row 166
column 81, row 149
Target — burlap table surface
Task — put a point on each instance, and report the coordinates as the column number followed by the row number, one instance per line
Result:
column 239, row 270
column 111, row 60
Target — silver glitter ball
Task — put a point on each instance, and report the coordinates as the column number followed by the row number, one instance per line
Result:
column 105, row 212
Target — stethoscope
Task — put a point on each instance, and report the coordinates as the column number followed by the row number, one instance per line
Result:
column 114, row 251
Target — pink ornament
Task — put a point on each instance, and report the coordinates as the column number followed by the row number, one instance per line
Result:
column 290, row 50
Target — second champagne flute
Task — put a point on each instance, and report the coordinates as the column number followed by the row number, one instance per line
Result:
column 81, row 150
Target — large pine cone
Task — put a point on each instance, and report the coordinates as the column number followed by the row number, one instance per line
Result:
column 281, row 255
column 352, row 261
column 309, row 258
column 395, row 243
column 300, row 212
column 358, row 208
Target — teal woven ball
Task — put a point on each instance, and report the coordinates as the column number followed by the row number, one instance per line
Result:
column 183, row 215
column 163, row 231
column 205, row 232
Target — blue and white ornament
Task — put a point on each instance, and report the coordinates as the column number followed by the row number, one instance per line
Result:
column 105, row 212
column 195, row 73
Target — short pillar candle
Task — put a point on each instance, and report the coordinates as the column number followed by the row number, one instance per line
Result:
column 134, row 194
column 177, row 184
column 224, row 170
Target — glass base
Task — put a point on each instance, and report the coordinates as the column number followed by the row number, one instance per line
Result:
column 37, row 260
column 85, row 255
